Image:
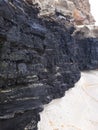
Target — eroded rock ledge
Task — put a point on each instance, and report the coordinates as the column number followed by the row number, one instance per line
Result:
column 40, row 58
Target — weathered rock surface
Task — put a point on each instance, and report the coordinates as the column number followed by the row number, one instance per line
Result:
column 77, row 10
column 39, row 60
column 87, row 47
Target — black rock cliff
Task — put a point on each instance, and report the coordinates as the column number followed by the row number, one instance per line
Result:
column 40, row 58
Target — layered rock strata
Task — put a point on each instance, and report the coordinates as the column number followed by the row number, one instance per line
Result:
column 40, row 58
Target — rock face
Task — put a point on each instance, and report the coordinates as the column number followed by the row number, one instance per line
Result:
column 77, row 10
column 87, row 48
column 40, row 59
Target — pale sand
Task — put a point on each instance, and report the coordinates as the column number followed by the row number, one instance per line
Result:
column 77, row 110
